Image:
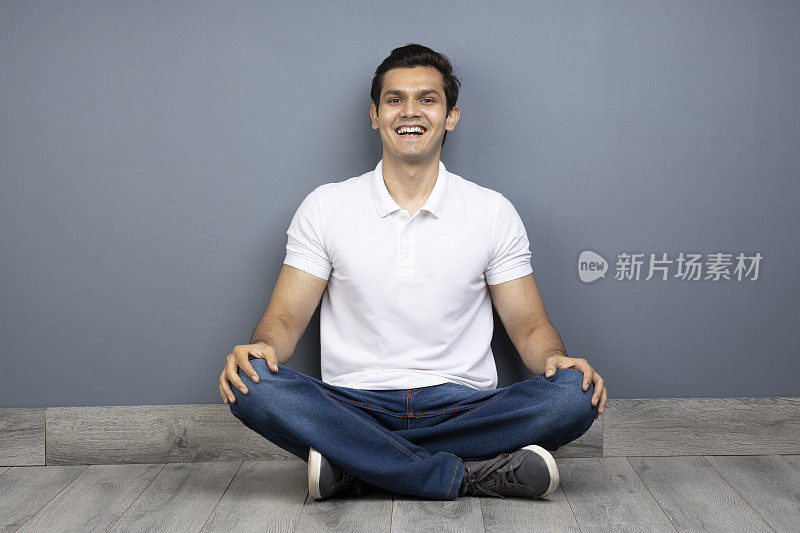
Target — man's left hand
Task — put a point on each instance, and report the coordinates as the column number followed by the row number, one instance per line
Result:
column 555, row 362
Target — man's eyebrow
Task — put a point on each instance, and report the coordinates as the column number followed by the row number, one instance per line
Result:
column 419, row 93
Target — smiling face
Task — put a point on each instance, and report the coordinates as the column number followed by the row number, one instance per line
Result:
column 413, row 97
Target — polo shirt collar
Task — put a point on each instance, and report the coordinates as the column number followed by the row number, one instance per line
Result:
column 385, row 204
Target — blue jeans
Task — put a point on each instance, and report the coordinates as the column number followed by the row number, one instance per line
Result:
column 412, row 441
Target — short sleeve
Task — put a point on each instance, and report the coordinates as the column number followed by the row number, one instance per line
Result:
column 511, row 255
column 305, row 245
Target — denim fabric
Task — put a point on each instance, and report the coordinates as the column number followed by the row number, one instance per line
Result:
column 412, row 441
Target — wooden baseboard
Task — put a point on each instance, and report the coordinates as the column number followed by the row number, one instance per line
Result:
column 195, row 433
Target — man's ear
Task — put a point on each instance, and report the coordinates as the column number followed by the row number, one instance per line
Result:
column 373, row 113
column 452, row 118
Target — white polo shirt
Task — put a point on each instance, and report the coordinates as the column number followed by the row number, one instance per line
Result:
column 407, row 303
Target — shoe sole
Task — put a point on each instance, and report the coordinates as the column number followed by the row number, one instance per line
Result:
column 314, row 468
column 551, row 466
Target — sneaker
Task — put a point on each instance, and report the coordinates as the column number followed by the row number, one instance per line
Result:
column 529, row 472
column 326, row 479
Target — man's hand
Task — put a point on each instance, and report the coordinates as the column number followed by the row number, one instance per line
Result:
column 555, row 362
column 240, row 358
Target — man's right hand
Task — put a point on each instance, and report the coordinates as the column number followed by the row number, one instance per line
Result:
column 240, row 357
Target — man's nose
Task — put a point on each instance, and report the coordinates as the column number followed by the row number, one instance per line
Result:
column 410, row 109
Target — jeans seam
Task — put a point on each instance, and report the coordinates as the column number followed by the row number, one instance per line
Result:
column 411, row 409
column 478, row 407
column 458, row 459
column 395, row 443
column 421, row 414
column 400, row 413
column 408, row 411
column 411, row 406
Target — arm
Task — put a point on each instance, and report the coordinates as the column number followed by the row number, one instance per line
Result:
column 522, row 312
column 521, row 309
column 294, row 299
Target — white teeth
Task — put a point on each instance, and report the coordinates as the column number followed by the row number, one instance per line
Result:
column 415, row 129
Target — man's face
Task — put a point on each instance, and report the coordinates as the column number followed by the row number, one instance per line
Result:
column 413, row 96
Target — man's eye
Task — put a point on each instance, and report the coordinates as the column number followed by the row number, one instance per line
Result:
column 424, row 99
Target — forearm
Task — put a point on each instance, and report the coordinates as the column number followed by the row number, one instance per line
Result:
column 278, row 334
column 540, row 344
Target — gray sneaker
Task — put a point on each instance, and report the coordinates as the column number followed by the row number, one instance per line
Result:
column 529, row 472
column 326, row 479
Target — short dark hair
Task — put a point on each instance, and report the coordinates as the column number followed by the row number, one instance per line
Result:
column 417, row 55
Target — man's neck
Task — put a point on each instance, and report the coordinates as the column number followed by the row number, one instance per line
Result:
column 410, row 184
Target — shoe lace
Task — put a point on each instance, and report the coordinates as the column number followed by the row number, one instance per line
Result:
column 490, row 474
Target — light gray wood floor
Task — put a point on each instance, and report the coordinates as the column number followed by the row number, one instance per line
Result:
column 679, row 493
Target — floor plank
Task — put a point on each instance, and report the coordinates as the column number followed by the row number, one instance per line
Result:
column 180, row 498
column 695, row 426
column 370, row 512
column 95, row 500
column 264, row 496
column 125, row 434
column 551, row 514
column 694, row 496
column 22, row 436
column 769, row 484
column 24, row 490
column 606, row 494
column 414, row 514
column 793, row 460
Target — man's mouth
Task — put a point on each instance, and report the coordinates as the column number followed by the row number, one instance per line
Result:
column 411, row 132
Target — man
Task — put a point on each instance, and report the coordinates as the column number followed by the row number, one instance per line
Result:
column 413, row 257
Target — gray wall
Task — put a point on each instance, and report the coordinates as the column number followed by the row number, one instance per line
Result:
column 152, row 155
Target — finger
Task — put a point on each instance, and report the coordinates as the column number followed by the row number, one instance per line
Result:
column 596, row 397
column 222, row 395
column 233, row 375
column 588, row 374
column 551, row 368
column 223, row 383
column 598, row 388
column 268, row 354
column 601, row 404
column 272, row 361
column 248, row 369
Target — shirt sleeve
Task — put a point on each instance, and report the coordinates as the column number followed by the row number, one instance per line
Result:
column 305, row 247
column 511, row 256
